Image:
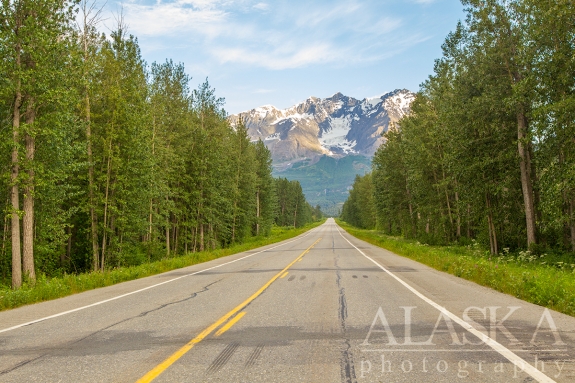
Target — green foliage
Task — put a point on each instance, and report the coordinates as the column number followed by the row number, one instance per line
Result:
column 487, row 152
column 130, row 165
column 546, row 280
column 293, row 209
column 266, row 194
column 359, row 209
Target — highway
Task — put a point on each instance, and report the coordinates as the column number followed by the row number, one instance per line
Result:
column 322, row 307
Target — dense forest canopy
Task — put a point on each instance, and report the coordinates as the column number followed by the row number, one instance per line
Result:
column 107, row 161
column 488, row 151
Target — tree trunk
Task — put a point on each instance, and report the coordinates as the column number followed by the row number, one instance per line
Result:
column 195, row 239
column 413, row 221
column 185, row 228
column 176, row 235
column 458, row 214
column 491, row 247
column 93, row 218
column 237, row 189
column 87, row 23
column 257, row 213
column 201, row 237
column 108, row 175
column 295, row 213
column 526, row 180
column 150, row 218
column 495, row 244
column 234, row 224
column 447, row 200
column 4, row 237
column 28, row 219
column 492, row 235
column 15, row 223
column 167, row 232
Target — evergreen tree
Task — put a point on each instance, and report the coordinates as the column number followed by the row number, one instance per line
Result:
column 266, row 197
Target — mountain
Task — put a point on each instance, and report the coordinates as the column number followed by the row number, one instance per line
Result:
column 336, row 126
column 325, row 143
column 327, row 182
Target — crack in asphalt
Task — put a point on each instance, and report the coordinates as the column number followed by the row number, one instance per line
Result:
column 142, row 314
column 21, row 364
column 347, row 366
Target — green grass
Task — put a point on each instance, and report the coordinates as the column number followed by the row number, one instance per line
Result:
column 545, row 280
column 51, row 288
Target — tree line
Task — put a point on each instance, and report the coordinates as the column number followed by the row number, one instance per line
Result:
column 107, row 161
column 488, row 151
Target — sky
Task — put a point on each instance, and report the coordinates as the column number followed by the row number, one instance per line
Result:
column 280, row 52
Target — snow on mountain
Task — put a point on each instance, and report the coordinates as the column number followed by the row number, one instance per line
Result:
column 336, row 126
column 335, row 135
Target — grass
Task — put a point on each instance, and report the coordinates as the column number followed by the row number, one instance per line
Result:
column 545, row 280
column 51, row 288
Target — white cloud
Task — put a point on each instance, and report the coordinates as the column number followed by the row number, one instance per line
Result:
column 172, row 18
column 291, row 35
column 381, row 27
column 323, row 14
column 280, row 58
column 262, row 6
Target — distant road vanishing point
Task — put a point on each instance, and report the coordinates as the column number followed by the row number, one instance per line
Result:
column 323, row 307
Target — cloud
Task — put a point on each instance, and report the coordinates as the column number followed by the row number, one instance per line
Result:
column 262, row 6
column 293, row 34
column 280, row 58
column 173, row 18
column 324, row 14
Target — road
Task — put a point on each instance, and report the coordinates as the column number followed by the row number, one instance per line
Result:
column 323, row 307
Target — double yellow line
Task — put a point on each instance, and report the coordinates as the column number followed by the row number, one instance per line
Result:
column 156, row 371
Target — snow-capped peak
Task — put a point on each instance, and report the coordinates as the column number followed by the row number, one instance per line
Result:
column 337, row 126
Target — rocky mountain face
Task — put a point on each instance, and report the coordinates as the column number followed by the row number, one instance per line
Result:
column 336, row 126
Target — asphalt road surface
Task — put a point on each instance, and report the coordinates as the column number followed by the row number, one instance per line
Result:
column 323, row 307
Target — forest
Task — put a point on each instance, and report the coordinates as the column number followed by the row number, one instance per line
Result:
column 106, row 161
column 487, row 153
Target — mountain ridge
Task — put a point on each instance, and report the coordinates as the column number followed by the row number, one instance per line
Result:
column 335, row 126
column 325, row 143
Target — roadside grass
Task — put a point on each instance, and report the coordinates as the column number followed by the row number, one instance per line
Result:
column 547, row 280
column 51, row 288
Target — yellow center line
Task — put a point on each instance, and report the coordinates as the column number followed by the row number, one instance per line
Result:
column 156, row 371
column 232, row 322
column 284, row 274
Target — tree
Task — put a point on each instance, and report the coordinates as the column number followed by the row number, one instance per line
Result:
column 36, row 46
column 359, row 208
column 266, row 197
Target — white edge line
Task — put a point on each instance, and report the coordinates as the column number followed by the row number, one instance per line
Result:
column 508, row 354
column 146, row 288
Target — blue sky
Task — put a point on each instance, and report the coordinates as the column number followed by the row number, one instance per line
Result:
column 258, row 52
